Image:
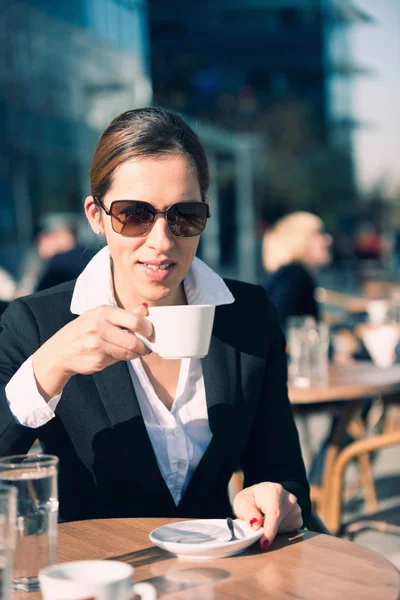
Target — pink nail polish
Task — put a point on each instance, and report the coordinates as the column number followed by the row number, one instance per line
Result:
column 264, row 545
column 145, row 304
column 254, row 520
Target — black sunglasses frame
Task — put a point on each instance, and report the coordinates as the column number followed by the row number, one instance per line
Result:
column 153, row 211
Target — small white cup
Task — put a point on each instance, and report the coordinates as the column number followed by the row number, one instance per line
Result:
column 181, row 331
column 92, row 580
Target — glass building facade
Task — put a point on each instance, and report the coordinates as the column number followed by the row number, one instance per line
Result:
column 66, row 69
column 266, row 66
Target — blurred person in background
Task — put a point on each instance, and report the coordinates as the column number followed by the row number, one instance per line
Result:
column 67, row 257
column 56, row 256
column 293, row 250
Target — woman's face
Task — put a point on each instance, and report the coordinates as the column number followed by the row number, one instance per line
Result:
column 319, row 249
column 160, row 181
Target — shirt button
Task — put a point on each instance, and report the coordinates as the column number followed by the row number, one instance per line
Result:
column 177, row 431
column 181, row 464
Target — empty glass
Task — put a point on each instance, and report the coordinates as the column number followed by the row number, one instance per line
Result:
column 308, row 351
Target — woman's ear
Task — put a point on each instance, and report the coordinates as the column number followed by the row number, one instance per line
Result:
column 93, row 215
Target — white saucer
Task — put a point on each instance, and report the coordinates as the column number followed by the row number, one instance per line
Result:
column 204, row 538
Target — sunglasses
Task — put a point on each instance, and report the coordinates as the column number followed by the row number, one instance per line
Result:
column 134, row 218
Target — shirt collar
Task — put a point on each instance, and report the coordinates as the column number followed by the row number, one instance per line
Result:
column 94, row 285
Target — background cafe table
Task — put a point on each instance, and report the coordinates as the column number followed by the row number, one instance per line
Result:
column 303, row 565
column 352, row 382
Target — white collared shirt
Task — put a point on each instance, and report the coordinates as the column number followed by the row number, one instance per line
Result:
column 180, row 436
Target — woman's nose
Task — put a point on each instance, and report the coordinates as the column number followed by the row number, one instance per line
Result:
column 160, row 238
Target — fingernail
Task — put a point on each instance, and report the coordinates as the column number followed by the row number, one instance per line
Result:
column 254, row 520
column 264, row 544
column 145, row 304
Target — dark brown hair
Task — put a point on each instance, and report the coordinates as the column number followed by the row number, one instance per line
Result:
column 145, row 132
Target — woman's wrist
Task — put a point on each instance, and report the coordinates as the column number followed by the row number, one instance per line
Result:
column 49, row 371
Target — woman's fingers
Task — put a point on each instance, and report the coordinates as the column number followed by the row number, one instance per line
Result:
column 133, row 321
column 289, row 503
column 124, row 337
column 245, row 508
column 126, row 340
column 292, row 521
column 269, row 498
column 271, row 506
column 111, row 353
column 142, row 309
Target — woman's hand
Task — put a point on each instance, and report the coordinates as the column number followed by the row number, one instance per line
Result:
column 96, row 339
column 270, row 506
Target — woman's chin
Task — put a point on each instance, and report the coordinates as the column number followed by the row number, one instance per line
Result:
column 158, row 294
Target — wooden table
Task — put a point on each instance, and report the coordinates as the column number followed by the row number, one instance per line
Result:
column 352, row 383
column 302, row 565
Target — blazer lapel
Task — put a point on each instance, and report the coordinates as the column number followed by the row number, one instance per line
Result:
column 128, row 433
column 221, row 385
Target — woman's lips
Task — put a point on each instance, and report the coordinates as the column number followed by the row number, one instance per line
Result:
column 157, row 272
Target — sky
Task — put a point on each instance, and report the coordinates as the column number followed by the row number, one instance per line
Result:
column 376, row 98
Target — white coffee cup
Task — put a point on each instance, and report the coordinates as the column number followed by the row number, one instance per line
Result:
column 181, row 331
column 92, row 580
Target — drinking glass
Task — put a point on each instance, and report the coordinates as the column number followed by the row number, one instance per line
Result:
column 35, row 477
column 319, row 341
column 8, row 508
column 308, row 350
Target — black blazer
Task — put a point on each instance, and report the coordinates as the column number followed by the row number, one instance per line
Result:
column 107, row 464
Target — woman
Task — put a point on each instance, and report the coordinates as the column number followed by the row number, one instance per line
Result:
column 138, row 435
column 292, row 250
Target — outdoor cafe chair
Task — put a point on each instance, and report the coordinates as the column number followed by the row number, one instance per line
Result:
column 333, row 508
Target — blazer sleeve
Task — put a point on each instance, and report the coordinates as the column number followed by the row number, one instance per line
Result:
column 273, row 450
column 19, row 339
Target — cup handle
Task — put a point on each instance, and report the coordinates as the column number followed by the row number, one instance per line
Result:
column 146, row 591
column 146, row 342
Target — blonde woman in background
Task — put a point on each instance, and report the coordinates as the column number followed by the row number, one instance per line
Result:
column 293, row 250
